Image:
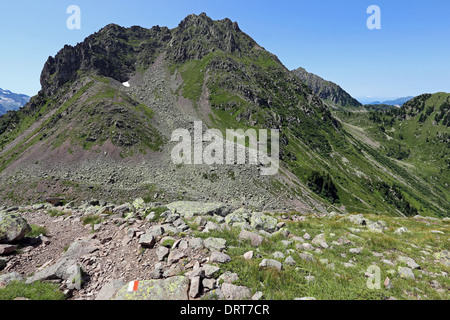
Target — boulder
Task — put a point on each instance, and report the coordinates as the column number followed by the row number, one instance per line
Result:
column 219, row 257
column 409, row 262
column 147, row 240
column 194, row 289
column 240, row 216
column 189, row 209
column 215, row 244
column 7, row 278
column 108, row 291
column 260, row 221
column 228, row 277
column 161, row 253
column 405, row 272
column 210, row 270
column 233, row 292
column 255, row 239
column 176, row 255
column 13, row 227
column 443, row 257
column 173, row 288
column 270, row 263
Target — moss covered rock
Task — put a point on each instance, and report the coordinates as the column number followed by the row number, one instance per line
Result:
column 173, row 288
column 13, row 227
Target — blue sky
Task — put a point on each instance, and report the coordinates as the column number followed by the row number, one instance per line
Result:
column 408, row 56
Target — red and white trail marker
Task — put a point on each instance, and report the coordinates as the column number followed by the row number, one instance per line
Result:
column 133, row 286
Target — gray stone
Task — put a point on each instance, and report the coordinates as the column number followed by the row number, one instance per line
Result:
column 306, row 256
column 306, row 298
column 155, row 231
column 161, row 253
column 210, row 271
column 357, row 219
column 211, row 226
column 443, row 257
column 233, row 292
column 147, row 240
column 173, row 288
column 241, row 215
column 201, row 221
column 319, row 240
column 176, row 255
column 189, row 209
column 196, row 243
column 66, row 267
column 219, row 257
column 13, row 227
column 257, row 296
column 248, row 255
column 215, row 244
column 378, row 226
column 228, row 277
column 307, row 246
column 270, row 263
column 290, row 261
column 405, row 272
column 256, row 240
column 124, row 208
column 108, row 291
column 194, row 289
column 278, row 255
column 209, row 283
column 355, row 250
column 409, row 262
column 7, row 278
column 260, row 221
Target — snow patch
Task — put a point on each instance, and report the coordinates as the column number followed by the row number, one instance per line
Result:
column 126, row 84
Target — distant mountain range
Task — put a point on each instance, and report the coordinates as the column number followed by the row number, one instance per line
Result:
column 11, row 101
column 396, row 102
column 326, row 90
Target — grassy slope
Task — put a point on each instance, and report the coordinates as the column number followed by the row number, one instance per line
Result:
column 69, row 122
column 420, row 149
column 356, row 168
column 334, row 281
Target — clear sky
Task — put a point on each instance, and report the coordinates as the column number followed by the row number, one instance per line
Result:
column 409, row 55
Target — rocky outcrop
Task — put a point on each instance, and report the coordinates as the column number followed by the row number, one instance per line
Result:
column 326, row 90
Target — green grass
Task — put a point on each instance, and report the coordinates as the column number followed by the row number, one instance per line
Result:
column 341, row 283
column 91, row 219
column 55, row 213
column 36, row 231
column 34, row 291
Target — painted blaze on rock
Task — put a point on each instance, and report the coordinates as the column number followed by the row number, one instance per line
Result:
column 173, row 288
column 12, row 227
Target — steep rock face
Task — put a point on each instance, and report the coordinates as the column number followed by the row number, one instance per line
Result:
column 114, row 52
column 326, row 90
column 196, row 36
